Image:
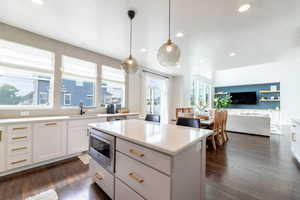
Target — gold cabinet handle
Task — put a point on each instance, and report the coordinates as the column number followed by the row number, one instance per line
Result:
column 19, row 149
column 98, row 176
column 17, row 162
column 19, row 128
column 132, row 151
column 19, row 138
column 0, row 136
column 51, row 124
column 135, row 177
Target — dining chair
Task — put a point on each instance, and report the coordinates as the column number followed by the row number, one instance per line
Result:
column 225, row 125
column 152, row 118
column 216, row 130
column 183, row 110
column 190, row 122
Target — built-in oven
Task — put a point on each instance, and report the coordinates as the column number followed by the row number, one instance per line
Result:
column 102, row 149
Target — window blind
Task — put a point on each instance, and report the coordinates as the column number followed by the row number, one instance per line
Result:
column 113, row 74
column 14, row 55
column 78, row 69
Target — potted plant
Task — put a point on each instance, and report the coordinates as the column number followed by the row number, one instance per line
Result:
column 222, row 102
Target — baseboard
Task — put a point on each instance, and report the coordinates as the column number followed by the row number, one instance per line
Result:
column 266, row 136
column 36, row 166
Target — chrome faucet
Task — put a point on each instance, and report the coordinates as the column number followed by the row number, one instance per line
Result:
column 81, row 108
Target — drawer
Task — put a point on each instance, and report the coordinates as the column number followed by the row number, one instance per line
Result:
column 147, row 182
column 103, row 178
column 124, row 192
column 157, row 160
column 19, row 132
column 18, row 161
column 85, row 122
column 19, row 128
column 17, row 148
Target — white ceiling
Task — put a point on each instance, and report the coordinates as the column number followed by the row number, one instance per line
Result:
column 212, row 28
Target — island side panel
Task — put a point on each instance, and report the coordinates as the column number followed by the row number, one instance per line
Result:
column 187, row 173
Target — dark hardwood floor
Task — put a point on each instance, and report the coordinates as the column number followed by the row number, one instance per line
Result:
column 246, row 168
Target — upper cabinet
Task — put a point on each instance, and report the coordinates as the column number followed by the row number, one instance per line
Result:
column 49, row 140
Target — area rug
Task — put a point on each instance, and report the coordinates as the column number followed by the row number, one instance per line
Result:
column 47, row 195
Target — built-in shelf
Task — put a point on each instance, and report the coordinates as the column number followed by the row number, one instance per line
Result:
column 221, row 93
column 269, row 91
column 270, row 100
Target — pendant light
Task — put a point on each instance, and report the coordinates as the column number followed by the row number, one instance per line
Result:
column 130, row 65
column 169, row 53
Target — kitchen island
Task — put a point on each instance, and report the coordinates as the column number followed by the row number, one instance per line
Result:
column 151, row 161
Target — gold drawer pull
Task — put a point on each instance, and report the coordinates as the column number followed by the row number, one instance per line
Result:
column 19, row 138
column 132, row 151
column 19, row 149
column 0, row 135
column 17, row 162
column 136, row 178
column 98, row 176
column 51, row 124
column 19, row 128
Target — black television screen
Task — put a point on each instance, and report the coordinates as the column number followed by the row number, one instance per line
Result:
column 247, row 98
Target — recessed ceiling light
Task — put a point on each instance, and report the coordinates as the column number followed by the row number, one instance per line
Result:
column 143, row 50
column 39, row 2
column 232, row 54
column 244, row 8
column 179, row 34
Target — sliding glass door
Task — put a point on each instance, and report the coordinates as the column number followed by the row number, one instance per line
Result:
column 156, row 98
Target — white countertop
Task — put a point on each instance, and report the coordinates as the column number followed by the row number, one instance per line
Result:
column 296, row 120
column 166, row 138
column 58, row 118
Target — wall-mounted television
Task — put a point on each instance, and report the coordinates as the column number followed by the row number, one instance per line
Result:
column 243, row 98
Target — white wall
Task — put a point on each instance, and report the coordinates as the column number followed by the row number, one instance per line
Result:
column 286, row 71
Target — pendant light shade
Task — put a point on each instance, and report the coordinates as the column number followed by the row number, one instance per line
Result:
column 169, row 53
column 130, row 65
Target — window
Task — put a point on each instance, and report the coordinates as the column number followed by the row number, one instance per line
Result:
column 26, row 76
column 112, row 86
column 67, row 99
column 201, row 94
column 78, row 81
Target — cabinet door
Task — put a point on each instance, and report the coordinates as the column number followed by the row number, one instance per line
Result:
column 78, row 139
column 2, row 148
column 297, row 142
column 49, row 140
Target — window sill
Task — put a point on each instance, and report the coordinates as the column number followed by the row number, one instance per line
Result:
column 21, row 108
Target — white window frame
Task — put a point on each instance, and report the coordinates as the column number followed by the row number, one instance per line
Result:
column 29, row 69
column 81, row 78
column 70, row 99
column 108, row 79
column 42, row 93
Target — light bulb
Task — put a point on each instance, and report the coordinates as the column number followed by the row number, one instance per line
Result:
column 169, row 48
column 130, row 62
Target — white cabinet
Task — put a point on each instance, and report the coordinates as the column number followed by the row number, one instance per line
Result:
column 295, row 141
column 2, row 150
column 49, row 140
column 78, row 137
column 122, row 192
